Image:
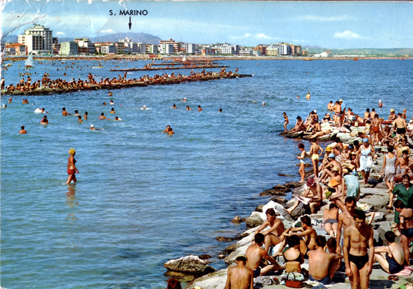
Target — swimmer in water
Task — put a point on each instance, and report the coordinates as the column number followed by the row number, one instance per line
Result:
column 44, row 111
column 92, row 127
column 263, row 104
column 168, row 128
column 298, row 96
column 104, row 103
column 76, row 113
column 199, row 108
column 85, row 116
column 117, row 119
column 64, row 112
column 102, row 116
column 220, row 110
column 174, row 106
column 112, row 110
column 143, row 107
column 308, row 96
column 188, row 108
column 184, row 100
column 44, row 120
column 10, row 100
column 80, row 119
column 111, row 102
column 110, row 93
column 22, row 131
column 380, row 103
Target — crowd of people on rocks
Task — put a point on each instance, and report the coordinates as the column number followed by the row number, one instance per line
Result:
column 337, row 179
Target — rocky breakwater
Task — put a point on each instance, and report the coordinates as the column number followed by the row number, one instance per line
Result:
column 373, row 197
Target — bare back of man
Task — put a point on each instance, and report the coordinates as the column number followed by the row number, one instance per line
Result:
column 321, row 264
column 239, row 277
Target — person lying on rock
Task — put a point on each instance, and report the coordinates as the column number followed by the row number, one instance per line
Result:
column 239, row 276
column 255, row 253
column 322, row 265
column 272, row 235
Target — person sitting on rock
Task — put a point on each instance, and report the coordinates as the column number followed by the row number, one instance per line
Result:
column 314, row 192
column 240, row 276
column 273, row 234
column 391, row 258
column 294, row 254
column 322, row 265
column 307, row 231
column 330, row 219
column 254, row 255
column 406, row 226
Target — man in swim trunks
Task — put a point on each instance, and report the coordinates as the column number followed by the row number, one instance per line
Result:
column 404, row 162
column 337, row 110
column 272, row 235
column 102, row 116
column 239, row 276
column 321, row 264
column 286, row 121
column 64, row 112
column 359, row 263
column 345, row 218
column 392, row 115
column 400, row 125
column 22, row 131
column 254, row 255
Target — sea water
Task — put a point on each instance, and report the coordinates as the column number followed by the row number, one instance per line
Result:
column 144, row 197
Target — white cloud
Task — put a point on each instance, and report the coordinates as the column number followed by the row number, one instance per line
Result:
column 346, row 35
column 324, row 19
column 262, row 36
column 107, row 31
column 60, row 33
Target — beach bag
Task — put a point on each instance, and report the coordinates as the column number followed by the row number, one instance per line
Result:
column 294, row 283
column 369, row 162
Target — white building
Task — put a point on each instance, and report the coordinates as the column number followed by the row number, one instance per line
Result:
column 283, row 48
column 37, row 39
column 190, row 48
column 69, row 48
column 141, row 47
column 108, row 49
column 166, row 48
column 85, row 45
column 246, row 52
column 152, row 49
column 130, row 46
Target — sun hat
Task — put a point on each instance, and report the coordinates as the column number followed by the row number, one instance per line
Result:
column 341, row 100
column 392, row 110
column 241, row 256
column 329, row 149
column 333, row 183
column 365, row 140
column 310, row 182
column 332, row 155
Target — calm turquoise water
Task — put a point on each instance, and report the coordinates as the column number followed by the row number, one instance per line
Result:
column 143, row 197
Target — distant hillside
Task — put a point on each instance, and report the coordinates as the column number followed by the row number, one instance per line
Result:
column 365, row 51
column 10, row 38
column 136, row 37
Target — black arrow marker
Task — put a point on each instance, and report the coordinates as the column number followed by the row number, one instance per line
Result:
column 130, row 22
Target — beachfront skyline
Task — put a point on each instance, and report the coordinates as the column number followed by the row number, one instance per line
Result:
column 332, row 24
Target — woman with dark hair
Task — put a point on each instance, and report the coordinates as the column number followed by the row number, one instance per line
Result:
column 391, row 257
column 404, row 192
column 406, row 226
column 293, row 257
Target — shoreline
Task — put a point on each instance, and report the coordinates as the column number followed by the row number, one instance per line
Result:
column 374, row 195
column 201, row 57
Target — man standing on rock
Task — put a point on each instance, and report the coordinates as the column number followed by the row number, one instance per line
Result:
column 400, row 125
column 345, row 219
column 254, row 255
column 322, row 265
column 359, row 263
column 240, row 277
column 272, row 235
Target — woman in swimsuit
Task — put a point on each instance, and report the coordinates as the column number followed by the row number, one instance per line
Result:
column 391, row 258
column 293, row 257
column 389, row 170
column 376, row 129
column 71, row 167
column 406, row 226
column 330, row 220
column 302, row 163
column 315, row 155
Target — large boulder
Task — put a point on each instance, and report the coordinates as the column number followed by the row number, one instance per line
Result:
column 190, row 265
column 214, row 280
column 254, row 220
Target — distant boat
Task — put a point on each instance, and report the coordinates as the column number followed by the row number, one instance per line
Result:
column 184, row 59
column 97, row 67
column 355, row 59
column 29, row 61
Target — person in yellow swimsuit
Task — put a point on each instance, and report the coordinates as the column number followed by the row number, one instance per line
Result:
column 315, row 155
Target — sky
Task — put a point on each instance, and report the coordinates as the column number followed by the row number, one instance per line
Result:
column 326, row 24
